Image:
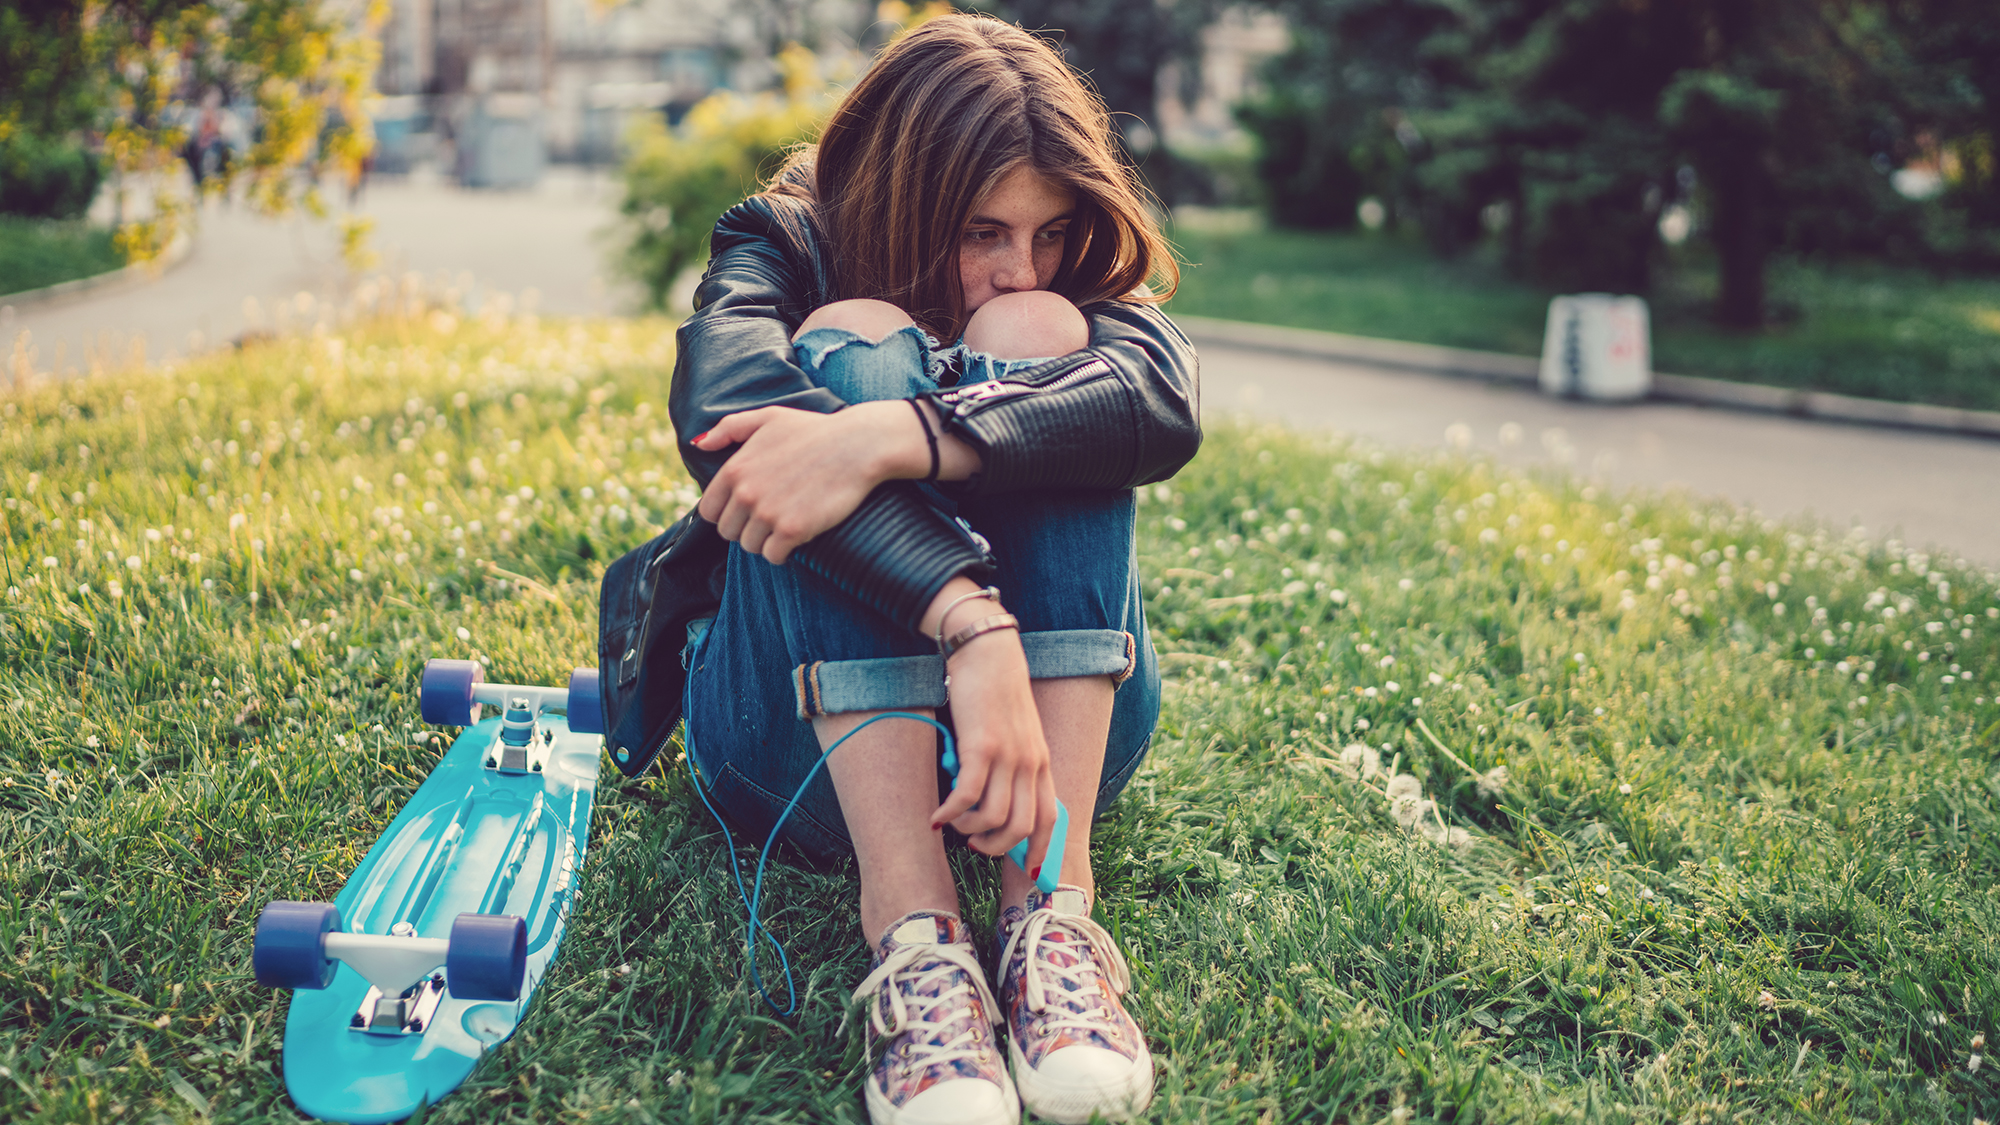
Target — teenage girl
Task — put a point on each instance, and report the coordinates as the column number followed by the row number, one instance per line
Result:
column 925, row 373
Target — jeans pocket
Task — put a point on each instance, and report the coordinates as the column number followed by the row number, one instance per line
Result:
column 1116, row 779
column 755, row 809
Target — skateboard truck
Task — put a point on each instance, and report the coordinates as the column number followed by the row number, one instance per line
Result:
column 523, row 746
column 485, row 958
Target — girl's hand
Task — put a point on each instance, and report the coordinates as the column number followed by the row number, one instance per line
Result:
column 799, row 472
column 1005, row 790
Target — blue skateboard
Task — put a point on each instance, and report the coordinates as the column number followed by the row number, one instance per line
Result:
column 431, row 951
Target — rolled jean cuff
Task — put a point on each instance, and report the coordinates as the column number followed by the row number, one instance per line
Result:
column 833, row 687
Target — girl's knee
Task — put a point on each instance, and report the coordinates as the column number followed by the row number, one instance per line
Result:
column 872, row 319
column 1032, row 325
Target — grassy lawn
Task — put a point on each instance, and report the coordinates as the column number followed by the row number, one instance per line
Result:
column 37, row 252
column 1694, row 817
column 1859, row 329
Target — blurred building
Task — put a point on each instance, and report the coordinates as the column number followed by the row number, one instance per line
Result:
column 1234, row 49
column 489, row 90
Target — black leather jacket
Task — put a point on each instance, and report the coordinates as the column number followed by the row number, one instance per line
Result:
column 1120, row 413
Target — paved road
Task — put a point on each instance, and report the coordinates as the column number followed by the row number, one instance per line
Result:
column 551, row 240
column 1926, row 489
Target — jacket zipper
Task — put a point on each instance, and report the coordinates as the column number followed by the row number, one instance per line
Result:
column 965, row 400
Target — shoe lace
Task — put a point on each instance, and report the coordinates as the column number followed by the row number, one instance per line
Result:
column 1094, row 952
column 921, row 1017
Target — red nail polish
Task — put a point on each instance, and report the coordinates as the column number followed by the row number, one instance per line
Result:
column 698, row 437
column 1036, row 873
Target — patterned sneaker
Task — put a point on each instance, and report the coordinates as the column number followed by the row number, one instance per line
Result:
column 1074, row 1049
column 930, row 1029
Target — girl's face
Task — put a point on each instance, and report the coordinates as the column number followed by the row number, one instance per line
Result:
column 1014, row 240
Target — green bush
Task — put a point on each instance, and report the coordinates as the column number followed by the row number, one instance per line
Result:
column 39, row 252
column 679, row 181
column 43, row 178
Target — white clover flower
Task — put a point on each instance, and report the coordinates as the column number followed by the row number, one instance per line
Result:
column 1337, row 597
column 115, row 590
column 1602, row 889
column 1392, row 687
column 237, row 519
column 131, row 562
column 354, row 574
column 48, row 560
column 1405, row 584
column 1435, row 679
column 84, row 589
column 464, row 634
column 1625, row 787
column 1369, row 692
column 1767, row 1000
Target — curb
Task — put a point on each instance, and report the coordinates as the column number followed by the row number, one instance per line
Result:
column 1499, row 367
column 177, row 251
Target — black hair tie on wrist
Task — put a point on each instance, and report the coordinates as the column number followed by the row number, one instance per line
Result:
column 930, row 436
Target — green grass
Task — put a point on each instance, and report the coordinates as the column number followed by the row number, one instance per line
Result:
column 1855, row 328
column 38, row 252
column 1741, row 865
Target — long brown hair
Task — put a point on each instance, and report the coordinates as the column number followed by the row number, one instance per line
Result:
column 944, row 115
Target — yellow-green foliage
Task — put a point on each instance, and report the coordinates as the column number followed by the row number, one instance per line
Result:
column 679, row 181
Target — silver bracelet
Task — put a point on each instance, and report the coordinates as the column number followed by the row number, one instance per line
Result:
column 992, row 592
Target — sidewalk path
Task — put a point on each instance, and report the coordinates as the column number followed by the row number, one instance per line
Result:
column 1924, row 488
column 550, row 239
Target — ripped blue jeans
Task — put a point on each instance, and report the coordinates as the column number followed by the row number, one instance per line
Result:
column 786, row 647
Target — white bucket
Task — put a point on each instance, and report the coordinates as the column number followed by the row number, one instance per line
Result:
column 1598, row 347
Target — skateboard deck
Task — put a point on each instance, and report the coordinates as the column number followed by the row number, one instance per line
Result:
column 497, row 832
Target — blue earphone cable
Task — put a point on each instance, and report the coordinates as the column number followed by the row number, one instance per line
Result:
column 756, row 894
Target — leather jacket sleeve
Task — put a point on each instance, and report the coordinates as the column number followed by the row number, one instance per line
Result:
column 735, row 353
column 1123, row 412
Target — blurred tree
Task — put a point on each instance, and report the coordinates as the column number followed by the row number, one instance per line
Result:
column 1954, row 48
column 1121, row 47
column 127, row 77
column 679, row 181
column 1574, row 122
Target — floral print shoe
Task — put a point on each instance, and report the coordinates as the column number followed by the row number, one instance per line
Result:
column 930, row 1029
column 1074, row 1049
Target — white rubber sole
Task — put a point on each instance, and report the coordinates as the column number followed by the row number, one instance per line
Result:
column 1068, row 1104
column 880, row 1112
